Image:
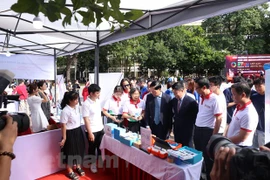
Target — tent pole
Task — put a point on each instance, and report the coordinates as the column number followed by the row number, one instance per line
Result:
column 96, row 78
column 55, row 75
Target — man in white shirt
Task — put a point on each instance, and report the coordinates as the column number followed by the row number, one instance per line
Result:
column 215, row 84
column 91, row 111
column 245, row 118
column 208, row 119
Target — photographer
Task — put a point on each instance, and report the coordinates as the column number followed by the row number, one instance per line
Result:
column 221, row 168
column 7, row 138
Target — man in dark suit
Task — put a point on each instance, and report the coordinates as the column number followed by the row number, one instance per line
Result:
column 185, row 111
column 158, row 112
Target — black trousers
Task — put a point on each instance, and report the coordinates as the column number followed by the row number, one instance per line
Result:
column 109, row 120
column 134, row 126
column 159, row 131
column 201, row 137
column 94, row 145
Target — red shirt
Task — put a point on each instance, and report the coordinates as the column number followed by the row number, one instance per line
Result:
column 21, row 90
column 85, row 93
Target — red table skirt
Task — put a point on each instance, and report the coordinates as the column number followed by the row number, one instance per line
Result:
column 126, row 170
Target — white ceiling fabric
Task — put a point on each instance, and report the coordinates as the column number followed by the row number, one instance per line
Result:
column 159, row 15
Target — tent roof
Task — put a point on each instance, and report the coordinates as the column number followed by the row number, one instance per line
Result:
column 17, row 29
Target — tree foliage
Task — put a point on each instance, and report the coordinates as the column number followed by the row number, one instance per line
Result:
column 240, row 32
column 189, row 49
column 184, row 48
column 90, row 11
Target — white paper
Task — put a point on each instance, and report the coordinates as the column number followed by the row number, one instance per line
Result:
column 146, row 138
column 107, row 82
column 108, row 130
column 267, row 104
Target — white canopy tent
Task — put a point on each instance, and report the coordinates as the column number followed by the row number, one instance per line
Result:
column 18, row 36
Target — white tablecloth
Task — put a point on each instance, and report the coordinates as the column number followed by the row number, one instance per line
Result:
column 159, row 168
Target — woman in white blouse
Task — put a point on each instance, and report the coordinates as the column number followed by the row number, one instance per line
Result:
column 38, row 118
column 133, row 110
column 113, row 107
column 72, row 143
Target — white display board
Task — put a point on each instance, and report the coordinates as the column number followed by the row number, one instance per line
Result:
column 107, row 82
column 146, row 138
column 267, row 102
column 29, row 66
column 60, row 87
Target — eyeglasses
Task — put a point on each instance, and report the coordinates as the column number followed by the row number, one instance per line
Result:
column 127, row 85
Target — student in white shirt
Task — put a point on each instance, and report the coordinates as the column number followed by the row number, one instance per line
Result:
column 208, row 119
column 72, row 143
column 245, row 117
column 133, row 110
column 125, row 83
column 91, row 112
column 215, row 84
column 113, row 107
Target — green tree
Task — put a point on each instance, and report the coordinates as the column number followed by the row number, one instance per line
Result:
column 123, row 55
column 184, row 48
column 190, row 51
column 67, row 62
column 239, row 32
column 160, row 58
column 86, row 60
column 91, row 11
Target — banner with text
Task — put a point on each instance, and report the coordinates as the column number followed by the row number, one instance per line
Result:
column 29, row 66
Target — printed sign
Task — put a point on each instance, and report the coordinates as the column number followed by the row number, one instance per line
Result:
column 146, row 138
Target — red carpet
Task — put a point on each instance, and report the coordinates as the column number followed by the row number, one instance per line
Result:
column 100, row 175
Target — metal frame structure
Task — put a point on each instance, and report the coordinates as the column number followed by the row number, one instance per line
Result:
column 18, row 36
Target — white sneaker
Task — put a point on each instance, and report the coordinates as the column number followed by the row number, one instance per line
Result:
column 93, row 168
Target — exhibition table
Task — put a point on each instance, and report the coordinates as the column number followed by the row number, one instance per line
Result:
column 149, row 166
column 37, row 155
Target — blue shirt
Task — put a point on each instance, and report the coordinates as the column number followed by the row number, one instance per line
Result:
column 197, row 96
column 228, row 95
column 143, row 90
column 258, row 101
column 169, row 92
column 157, row 109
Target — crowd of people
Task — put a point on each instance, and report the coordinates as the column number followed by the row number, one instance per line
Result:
column 195, row 109
column 35, row 99
column 190, row 109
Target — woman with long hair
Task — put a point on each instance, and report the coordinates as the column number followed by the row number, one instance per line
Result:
column 125, row 84
column 45, row 106
column 72, row 142
column 38, row 118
